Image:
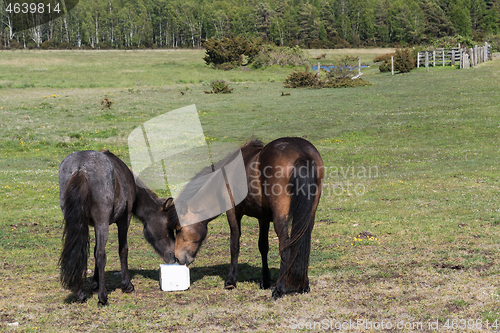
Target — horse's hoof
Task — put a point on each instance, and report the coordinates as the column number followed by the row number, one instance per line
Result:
column 103, row 302
column 128, row 288
column 277, row 294
column 229, row 285
column 266, row 285
column 81, row 296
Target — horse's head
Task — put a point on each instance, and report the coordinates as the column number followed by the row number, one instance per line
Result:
column 188, row 239
column 159, row 231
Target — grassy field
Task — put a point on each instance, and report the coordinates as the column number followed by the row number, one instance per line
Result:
column 412, row 159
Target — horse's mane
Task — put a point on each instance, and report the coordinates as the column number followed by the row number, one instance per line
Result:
column 255, row 143
column 198, row 181
column 138, row 182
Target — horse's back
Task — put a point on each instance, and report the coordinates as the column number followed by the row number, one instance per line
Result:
column 288, row 149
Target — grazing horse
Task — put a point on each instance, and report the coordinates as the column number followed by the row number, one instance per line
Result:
column 98, row 189
column 284, row 185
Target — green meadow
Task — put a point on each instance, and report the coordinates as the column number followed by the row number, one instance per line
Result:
column 407, row 231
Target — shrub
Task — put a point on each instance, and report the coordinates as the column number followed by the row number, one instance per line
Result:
column 301, row 79
column 220, row 87
column 346, row 83
column 384, row 57
column 494, row 41
column 316, row 44
column 343, row 68
column 341, row 75
column 404, row 62
column 269, row 55
column 385, row 66
column 46, row 45
column 229, row 51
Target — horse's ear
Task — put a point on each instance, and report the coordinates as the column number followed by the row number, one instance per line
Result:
column 169, row 203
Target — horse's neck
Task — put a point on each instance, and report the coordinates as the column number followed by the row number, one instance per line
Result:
column 145, row 204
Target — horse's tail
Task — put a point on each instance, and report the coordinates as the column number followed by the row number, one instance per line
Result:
column 75, row 252
column 304, row 191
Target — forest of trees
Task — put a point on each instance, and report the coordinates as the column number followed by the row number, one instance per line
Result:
column 308, row 23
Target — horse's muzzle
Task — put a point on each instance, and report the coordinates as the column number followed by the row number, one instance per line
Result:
column 185, row 260
column 169, row 258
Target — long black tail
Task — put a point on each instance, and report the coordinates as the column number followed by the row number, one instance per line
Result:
column 305, row 189
column 75, row 251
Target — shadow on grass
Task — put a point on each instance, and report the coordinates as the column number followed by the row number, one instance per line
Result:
column 246, row 273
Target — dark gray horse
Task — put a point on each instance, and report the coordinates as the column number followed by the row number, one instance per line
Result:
column 98, row 189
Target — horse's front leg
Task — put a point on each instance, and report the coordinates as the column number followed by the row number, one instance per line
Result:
column 123, row 224
column 101, row 236
column 264, row 249
column 235, row 227
column 281, row 228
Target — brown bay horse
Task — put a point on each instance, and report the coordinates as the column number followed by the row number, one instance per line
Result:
column 98, row 189
column 284, row 187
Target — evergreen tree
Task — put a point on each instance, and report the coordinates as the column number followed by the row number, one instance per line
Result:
column 490, row 22
column 437, row 24
column 460, row 18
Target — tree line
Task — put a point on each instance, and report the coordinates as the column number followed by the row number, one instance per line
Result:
column 307, row 23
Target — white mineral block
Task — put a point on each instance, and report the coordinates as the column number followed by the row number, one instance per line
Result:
column 174, row 277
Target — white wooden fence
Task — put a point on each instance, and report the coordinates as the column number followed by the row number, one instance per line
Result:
column 458, row 56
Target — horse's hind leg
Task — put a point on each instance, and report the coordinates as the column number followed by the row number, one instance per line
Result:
column 281, row 228
column 123, row 225
column 95, row 279
column 264, row 249
column 101, row 236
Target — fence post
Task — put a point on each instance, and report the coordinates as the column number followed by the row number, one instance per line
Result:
column 471, row 57
column 418, row 59
column 392, row 65
column 453, row 57
column 433, row 58
column 461, row 59
column 427, row 60
column 475, row 55
column 443, row 58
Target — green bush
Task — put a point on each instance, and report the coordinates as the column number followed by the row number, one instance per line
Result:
column 343, row 68
column 233, row 51
column 340, row 76
column 384, row 57
column 270, row 55
column 221, row 87
column 385, row 60
column 404, row 61
column 494, row 41
column 385, row 67
column 301, row 79
column 346, row 83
